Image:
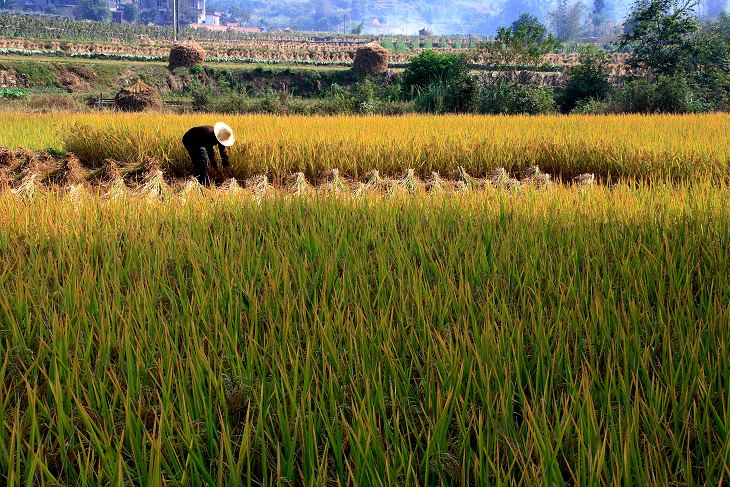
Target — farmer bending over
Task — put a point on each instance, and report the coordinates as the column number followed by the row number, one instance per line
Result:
column 200, row 143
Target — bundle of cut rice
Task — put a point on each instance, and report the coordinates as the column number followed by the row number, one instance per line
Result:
column 371, row 59
column 138, row 97
column 186, row 54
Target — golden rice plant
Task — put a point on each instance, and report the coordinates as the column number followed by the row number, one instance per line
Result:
column 640, row 147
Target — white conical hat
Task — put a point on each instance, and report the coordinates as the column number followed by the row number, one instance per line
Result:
column 224, row 134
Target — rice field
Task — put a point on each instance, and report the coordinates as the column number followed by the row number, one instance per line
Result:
column 630, row 147
column 155, row 332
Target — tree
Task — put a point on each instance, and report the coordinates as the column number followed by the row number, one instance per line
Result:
column 723, row 25
column 524, row 43
column 568, row 20
column 587, row 80
column 357, row 30
column 93, row 10
column 130, row 12
column 668, row 42
column 659, row 35
column 530, row 26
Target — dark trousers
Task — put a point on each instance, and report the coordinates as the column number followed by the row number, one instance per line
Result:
column 199, row 156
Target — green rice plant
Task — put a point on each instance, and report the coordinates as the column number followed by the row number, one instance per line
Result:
column 478, row 338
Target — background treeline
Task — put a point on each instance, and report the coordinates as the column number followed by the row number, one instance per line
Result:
column 678, row 63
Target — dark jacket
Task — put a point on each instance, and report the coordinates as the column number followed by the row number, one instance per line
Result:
column 204, row 136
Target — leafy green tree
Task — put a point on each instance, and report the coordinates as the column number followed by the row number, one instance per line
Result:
column 431, row 66
column 93, row 10
column 524, row 43
column 130, row 12
column 723, row 25
column 587, row 80
column 530, row 26
column 659, row 35
column 668, row 41
column 240, row 15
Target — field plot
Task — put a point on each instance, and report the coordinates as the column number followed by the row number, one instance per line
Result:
column 441, row 340
column 650, row 148
column 304, row 326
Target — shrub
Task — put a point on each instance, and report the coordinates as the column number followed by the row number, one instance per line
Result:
column 509, row 97
column 591, row 106
column 675, row 95
column 431, row 67
column 439, row 82
column 432, row 99
column 587, row 80
column 636, row 96
column 201, row 97
column 669, row 94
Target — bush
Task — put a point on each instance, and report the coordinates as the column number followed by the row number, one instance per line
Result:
column 670, row 94
column 439, row 82
column 431, row 67
column 364, row 98
column 432, row 99
column 201, row 97
column 636, row 96
column 587, row 80
column 591, row 106
column 511, row 98
column 675, row 95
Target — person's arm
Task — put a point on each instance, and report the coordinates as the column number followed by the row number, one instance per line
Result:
column 224, row 155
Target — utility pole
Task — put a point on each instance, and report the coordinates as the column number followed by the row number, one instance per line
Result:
column 175, row 19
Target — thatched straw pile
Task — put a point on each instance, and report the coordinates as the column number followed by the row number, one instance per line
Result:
column 186, row 54
column 370, row 59
column 138, row 97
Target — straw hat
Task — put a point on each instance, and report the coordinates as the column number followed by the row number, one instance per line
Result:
column 224, row 134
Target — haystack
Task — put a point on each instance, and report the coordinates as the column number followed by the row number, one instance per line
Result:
column 138, row 97
column 370, row 59
column 186, row 54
